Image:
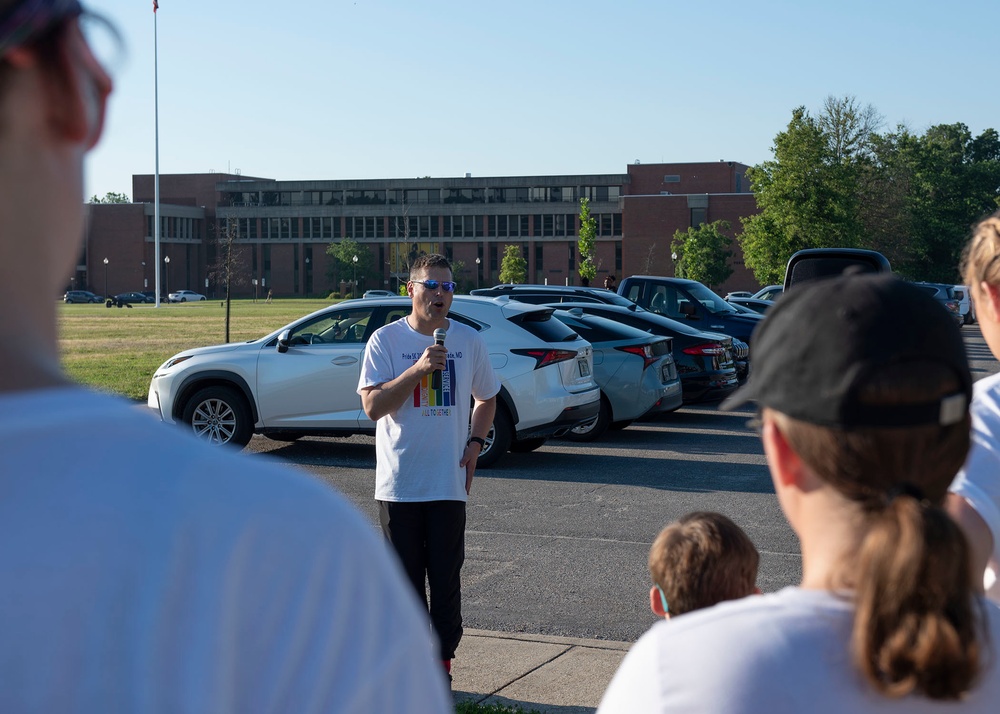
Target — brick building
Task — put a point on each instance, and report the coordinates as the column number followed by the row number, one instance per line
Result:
column 285, row 227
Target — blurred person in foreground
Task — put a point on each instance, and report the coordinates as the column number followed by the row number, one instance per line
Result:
column 700, row 560
column 428, row 384
column 863, row 386
column 974, row 500
column 142, row 570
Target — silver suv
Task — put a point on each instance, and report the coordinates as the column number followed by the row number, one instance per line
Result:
column 301, row 379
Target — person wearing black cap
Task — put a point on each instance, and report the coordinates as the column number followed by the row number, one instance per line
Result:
column 862, row 386
column 974, row 500
column 140, row 569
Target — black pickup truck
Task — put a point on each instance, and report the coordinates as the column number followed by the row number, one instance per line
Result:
column 688, row 300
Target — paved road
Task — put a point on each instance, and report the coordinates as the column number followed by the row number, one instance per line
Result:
column 558, row 538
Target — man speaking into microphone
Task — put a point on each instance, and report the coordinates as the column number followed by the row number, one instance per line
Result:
column 423, row 396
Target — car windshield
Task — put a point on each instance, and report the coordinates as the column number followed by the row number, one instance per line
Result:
column 614, row 298
column 712, row 302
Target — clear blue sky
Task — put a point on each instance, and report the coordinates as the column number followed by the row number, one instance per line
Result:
column 342, row 89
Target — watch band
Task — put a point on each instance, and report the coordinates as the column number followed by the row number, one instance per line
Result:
column 478, row 440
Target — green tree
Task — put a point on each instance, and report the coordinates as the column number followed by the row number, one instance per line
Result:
column 807, row 199
column 703, row 252
column 111, row 197
column 587, row 243
column 952, row 180
column 345, row 269
column 513, row 267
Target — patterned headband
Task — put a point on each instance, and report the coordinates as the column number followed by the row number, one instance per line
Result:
column 29, row 18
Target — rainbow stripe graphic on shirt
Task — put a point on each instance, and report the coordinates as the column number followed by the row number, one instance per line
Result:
column 436, row 402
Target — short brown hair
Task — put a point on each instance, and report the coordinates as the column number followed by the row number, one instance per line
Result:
column 701, row 560
column 427, row 261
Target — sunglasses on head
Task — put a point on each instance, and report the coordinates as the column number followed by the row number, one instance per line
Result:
column 447, row 285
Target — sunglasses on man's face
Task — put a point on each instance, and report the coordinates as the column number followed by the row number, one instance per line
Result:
column 447, row 285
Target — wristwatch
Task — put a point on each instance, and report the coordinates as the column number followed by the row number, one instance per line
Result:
column 478, row 440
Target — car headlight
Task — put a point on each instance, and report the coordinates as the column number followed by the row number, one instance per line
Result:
column 174, row 362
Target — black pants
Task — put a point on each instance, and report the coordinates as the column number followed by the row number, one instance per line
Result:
column 429, row 538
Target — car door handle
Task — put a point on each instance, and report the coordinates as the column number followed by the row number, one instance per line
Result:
column 343, row 360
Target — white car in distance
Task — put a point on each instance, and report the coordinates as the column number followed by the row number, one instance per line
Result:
column 185, row 296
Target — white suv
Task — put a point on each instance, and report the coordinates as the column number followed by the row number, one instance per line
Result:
column 301, row 379
column 966, row 308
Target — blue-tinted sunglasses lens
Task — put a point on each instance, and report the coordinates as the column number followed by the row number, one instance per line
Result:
column 447, row 286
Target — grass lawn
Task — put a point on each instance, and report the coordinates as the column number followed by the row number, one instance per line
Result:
column 118, row 349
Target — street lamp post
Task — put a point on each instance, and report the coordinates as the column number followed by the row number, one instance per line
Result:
column 105, row 278
column 354, row 290
column 478, row 262
column 166, row 281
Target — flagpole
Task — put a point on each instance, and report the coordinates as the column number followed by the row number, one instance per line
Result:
column 156, row 175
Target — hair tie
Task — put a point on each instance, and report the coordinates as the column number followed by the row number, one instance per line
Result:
column 905, row 489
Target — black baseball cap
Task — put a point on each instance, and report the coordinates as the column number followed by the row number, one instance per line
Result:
column 825, row 340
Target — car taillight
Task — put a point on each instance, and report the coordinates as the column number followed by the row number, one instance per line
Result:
column 644, row 351
column 706, row 349
column 952, row 305
column 545, row 357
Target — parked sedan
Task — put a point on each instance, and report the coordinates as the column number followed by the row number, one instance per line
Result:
column 302, row 378
column 378, row 293
column 130, row 298
column 705, row 360
column 78, row 296
column 185, row 296
column 771, row 292
column 754, row 304
column 553, row 294
column 634, row 369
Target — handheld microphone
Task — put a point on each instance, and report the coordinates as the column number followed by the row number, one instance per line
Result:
column 439, row 335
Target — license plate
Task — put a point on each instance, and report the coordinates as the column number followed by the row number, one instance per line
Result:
column 584, row 368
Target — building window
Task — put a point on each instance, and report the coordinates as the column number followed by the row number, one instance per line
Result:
column 618, row 258
column 464, row 195
column 423, row 195
column 672, row 178
column 698, row 216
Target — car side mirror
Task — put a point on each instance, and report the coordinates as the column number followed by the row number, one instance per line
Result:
column 688, row 310
column 283, row 341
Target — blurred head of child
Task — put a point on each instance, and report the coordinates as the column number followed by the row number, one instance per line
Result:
column 698, row 561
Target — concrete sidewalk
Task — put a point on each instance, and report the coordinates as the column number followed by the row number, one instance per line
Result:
column 555, row 675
